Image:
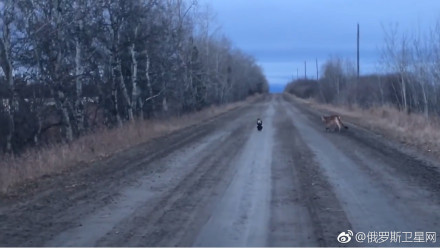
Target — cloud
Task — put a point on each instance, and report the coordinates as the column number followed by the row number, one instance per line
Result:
column 282, row 34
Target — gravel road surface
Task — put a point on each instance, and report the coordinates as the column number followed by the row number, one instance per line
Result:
column 223, row 183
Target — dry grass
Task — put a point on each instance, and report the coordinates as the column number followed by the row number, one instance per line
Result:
column 414, row 130
column 35, row 163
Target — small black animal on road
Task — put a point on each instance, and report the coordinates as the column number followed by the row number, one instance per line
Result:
column 259, row 124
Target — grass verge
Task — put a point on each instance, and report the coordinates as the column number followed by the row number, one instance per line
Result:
column 35, row 163
column 413, row 130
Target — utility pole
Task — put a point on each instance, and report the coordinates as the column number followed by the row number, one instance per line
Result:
column 317, row 72
column 297, row 73
column 358, row 51
column 305, row 69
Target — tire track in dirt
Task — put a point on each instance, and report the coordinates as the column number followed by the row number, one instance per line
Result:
column 158, row 219
column 403, row 162
column 222, row 182
column 240, row 217
column 373, row 195
column 314, row 213
column 53, row 206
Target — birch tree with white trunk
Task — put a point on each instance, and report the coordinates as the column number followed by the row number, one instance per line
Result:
column 6, row 63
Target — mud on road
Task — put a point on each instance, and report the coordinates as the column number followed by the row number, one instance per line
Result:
column 223, row 183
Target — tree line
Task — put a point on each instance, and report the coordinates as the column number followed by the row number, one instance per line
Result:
column 408, row 76
column 69, row 66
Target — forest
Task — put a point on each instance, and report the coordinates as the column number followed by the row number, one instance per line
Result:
column 69, row 68
column 407, row 76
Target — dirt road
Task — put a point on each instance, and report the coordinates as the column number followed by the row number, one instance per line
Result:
column 223, row 183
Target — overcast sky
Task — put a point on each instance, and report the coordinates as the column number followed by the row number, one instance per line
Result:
column 282, row 34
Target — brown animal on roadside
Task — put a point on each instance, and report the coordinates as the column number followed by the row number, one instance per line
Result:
column 333, row 121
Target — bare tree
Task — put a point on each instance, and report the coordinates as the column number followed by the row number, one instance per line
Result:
column 85, row 63
column 396, row 57
column 7, row 17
